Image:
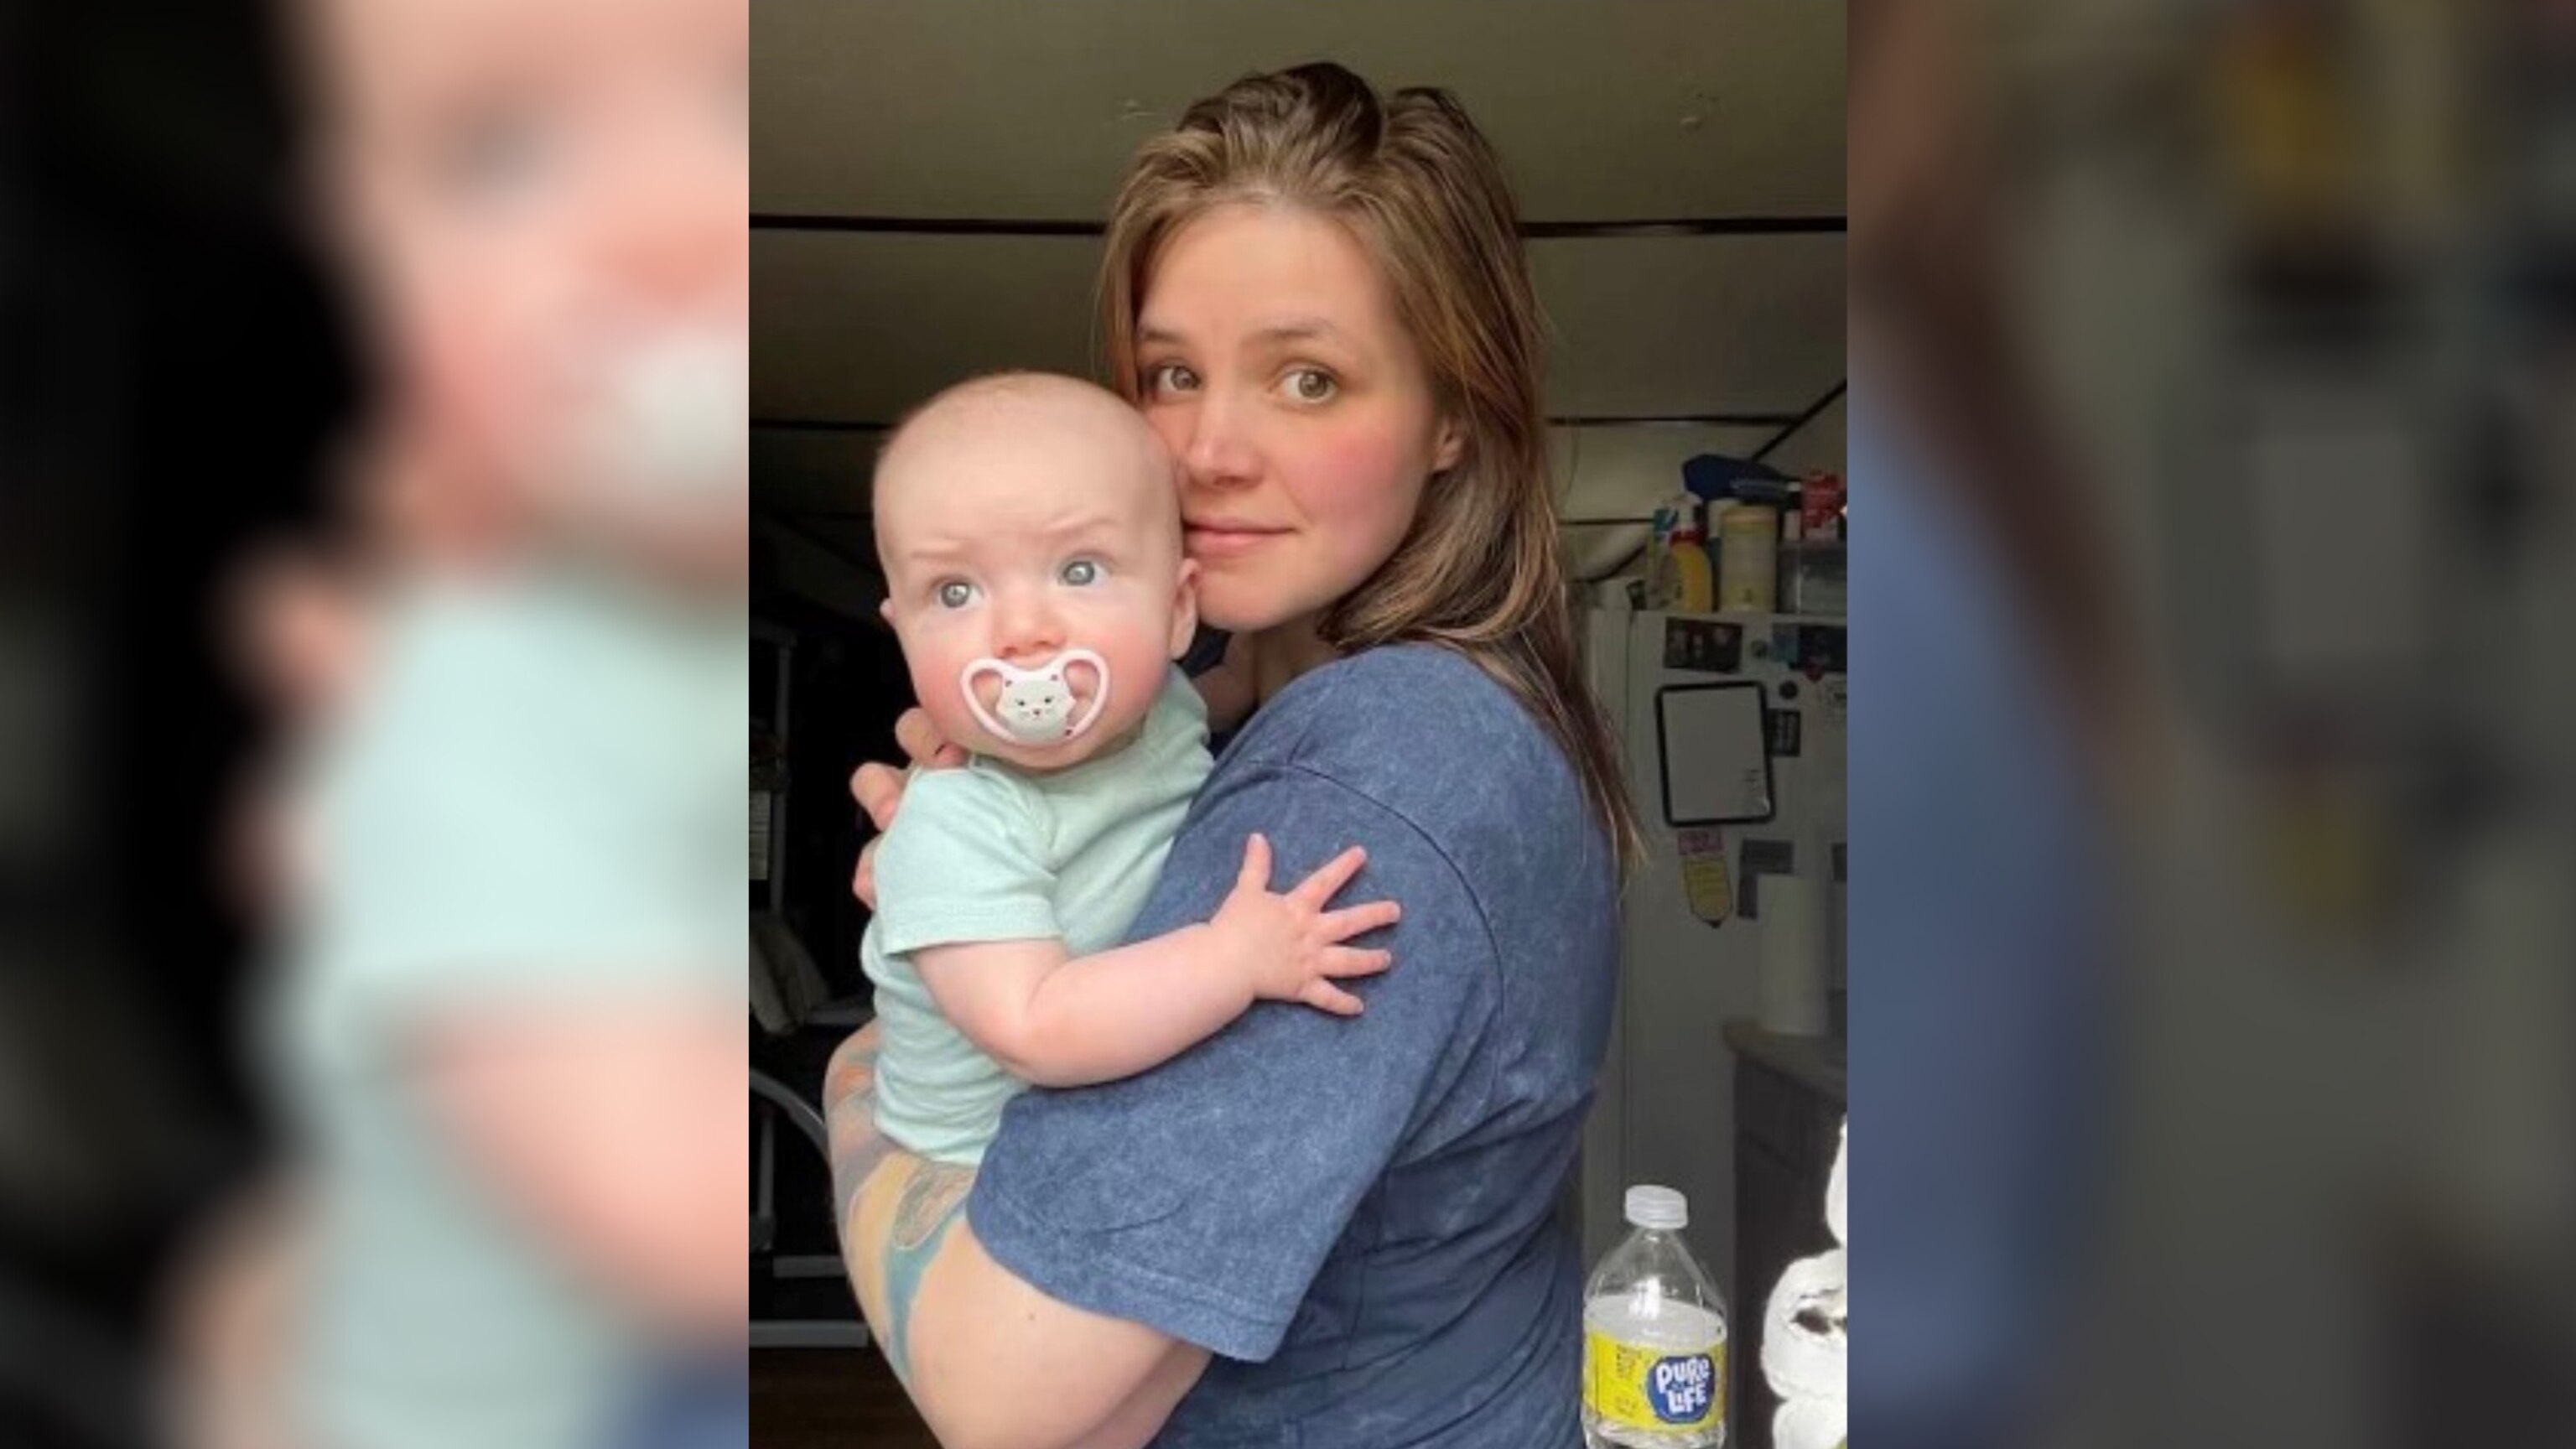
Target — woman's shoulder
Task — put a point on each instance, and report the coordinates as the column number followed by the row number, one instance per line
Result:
column 1396, row 694
column 1420, row 729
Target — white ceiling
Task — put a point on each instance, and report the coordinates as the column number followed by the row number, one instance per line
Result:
column 1603, row 110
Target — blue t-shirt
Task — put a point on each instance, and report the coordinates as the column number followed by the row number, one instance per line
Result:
column 1356, row 1216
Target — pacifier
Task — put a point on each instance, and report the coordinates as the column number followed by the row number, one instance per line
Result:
column 1035, row 706
column 658, row 420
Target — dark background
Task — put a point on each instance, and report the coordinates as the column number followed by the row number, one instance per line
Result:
column 171, row 372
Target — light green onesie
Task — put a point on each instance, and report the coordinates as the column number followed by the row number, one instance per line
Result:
column 990, row 852
column 539, row 799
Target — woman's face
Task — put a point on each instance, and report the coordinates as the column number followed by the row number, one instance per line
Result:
column 1272, row 363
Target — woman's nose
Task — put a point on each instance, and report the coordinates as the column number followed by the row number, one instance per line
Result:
column 1218, row 453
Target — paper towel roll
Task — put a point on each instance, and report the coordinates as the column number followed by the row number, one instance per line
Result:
column 1794, row 968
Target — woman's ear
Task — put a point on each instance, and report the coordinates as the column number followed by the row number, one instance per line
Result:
column 1185, row 608
column 1451, row 447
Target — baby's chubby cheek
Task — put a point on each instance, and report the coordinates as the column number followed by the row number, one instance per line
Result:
column 934, row 684
column 461, row 381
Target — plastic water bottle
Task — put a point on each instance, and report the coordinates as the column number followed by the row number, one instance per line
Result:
column 1654, row 1337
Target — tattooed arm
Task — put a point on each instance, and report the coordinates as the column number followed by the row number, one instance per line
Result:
column 894, row 1207
column 900, row 1213
column 849, row 1110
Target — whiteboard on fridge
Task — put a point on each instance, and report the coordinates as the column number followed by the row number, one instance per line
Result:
column 1715, row 746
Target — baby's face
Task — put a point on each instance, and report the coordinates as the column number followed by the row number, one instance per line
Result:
column 1020, row 536
column 543, row 202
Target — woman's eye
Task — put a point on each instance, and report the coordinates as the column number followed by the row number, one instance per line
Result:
column 1082, row 573
column 956, row 594
column 1314, row 385
column 1169, row 377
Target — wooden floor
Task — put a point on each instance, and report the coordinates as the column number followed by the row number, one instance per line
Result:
column 830, row 1398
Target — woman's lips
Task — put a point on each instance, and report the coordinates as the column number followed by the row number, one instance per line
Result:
column 1227, row 540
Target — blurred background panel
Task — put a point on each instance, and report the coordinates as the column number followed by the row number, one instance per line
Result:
column 2237, row 338
column 171, row 377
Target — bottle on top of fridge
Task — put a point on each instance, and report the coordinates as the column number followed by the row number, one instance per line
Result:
column 1659, row 553
column 1654, row 1337
column 1692, row 580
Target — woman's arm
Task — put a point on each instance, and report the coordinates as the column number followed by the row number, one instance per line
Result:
column 1077, row 1380
column 849, row 1118
column 1107, row 1383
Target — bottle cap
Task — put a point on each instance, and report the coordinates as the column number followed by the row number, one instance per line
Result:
column 1659, row 1208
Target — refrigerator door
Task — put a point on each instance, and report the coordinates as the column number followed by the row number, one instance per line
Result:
column 1664, row 1112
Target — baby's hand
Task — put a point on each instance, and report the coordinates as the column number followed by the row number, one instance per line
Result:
column 1288, row 946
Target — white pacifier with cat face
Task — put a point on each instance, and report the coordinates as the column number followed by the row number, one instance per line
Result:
column 655, row 421
column 1036, row 706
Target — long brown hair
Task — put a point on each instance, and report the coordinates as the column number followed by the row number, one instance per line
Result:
column 1932, row 308
column 1415, row 181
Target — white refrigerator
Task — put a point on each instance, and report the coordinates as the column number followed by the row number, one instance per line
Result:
column 1719, row 718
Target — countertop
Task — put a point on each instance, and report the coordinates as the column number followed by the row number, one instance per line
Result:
column 1818, row 1063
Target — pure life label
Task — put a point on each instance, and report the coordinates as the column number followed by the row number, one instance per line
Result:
column 1651, row 1390
column 1681, row 1389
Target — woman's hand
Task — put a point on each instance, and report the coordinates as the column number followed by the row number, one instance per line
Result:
column 879, row 788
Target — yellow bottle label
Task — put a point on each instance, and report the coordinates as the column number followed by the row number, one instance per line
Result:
column 1646, row 1388
column 1694, row 581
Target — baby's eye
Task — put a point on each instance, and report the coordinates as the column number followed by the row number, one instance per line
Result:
column 955, row 594
column 1082, row 573
column 498, row 152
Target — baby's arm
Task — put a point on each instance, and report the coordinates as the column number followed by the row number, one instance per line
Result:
column 1059, row 1021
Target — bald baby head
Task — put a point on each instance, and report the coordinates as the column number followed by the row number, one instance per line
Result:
column 1023, row 433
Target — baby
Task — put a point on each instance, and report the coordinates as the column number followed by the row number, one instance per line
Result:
column 1030, row 531
column 505, row 1026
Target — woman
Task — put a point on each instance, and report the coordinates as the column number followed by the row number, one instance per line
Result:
column 1311, row 1230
